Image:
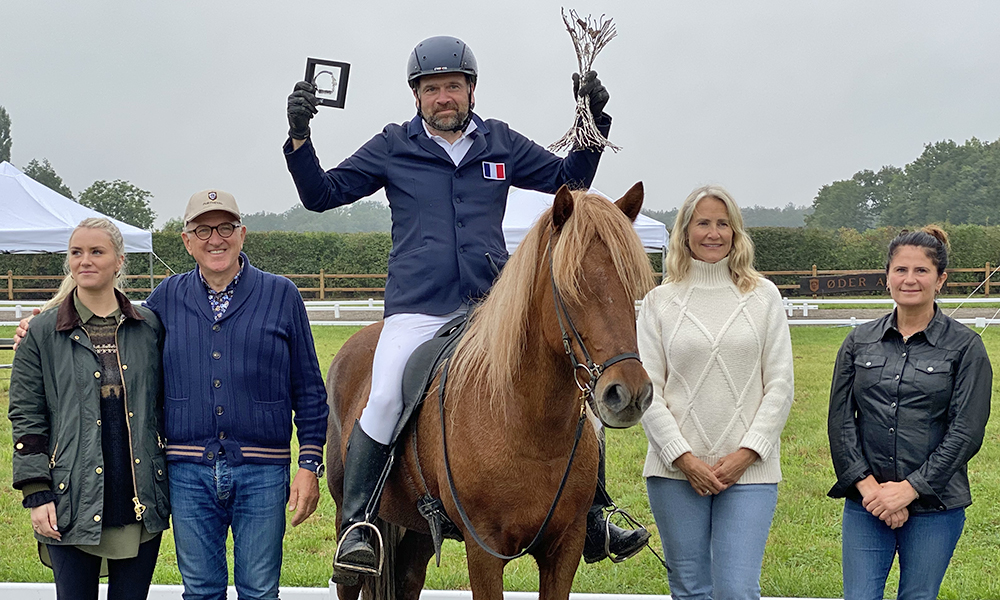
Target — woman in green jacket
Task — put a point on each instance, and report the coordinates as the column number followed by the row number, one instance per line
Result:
column 86, row 409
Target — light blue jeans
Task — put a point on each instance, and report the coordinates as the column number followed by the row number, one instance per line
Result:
column 713, row 545
column 205, row 502
column 925, row 544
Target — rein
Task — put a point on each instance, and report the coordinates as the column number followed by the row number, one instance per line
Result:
column 587, row 389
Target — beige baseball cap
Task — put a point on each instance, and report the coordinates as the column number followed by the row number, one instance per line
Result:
column 209, row 200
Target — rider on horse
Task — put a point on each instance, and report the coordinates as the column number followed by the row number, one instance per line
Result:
column 446, row 174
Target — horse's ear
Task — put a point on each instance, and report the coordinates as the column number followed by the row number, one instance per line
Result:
column 562, row 207
column 631, row 202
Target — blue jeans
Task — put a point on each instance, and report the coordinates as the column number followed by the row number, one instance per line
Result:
column 205, row 502
column 714, row 545
column 925, row 544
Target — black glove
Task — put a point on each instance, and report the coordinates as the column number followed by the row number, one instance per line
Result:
column 591, row 87
column 301, row 108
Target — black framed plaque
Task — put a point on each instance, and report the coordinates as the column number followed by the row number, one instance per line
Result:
column 330, row 79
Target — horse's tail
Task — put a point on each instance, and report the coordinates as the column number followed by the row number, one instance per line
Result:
column 384, row 587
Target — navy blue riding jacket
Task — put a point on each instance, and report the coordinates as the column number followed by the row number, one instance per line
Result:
column 444, row 218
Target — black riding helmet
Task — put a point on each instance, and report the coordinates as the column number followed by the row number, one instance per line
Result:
column 441, row 54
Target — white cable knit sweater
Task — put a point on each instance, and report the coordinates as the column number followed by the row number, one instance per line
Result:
column 721, row 366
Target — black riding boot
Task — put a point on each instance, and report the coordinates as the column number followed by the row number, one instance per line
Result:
column 623, row 543
column 363, row 465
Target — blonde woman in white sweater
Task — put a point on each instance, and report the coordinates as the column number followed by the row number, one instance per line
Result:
column 715, row 342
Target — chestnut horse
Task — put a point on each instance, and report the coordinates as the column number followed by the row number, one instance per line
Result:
column 513, row 405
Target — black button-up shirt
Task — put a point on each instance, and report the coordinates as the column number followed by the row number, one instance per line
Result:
column 913, row 410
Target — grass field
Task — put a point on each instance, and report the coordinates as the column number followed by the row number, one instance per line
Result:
column 803, row 552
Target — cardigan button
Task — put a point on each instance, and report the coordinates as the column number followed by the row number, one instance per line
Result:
column 216, row 355
column 216, row 327
column 219, row 410
column 217, row 383
column 211, row 455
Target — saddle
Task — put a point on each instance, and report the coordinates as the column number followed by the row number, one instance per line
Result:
column 421, row 369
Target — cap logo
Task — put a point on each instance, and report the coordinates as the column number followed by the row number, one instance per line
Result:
column 212, row 195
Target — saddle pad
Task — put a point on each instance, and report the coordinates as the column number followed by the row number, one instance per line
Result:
column 423, row 365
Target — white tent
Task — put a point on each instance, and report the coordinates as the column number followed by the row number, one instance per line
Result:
column 37, row 220
column 525, row 206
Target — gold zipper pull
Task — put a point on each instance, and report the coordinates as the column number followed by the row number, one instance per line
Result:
column 139, row 508
column 52, row 459
column 159, row 441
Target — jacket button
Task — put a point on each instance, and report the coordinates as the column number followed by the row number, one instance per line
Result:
column 19, row 446
column 130, row 414
column 159, row 471
column 137, row 461
column 897, row 377
column 892, row 430
column 217, row 383
column 216, row 355
column 219, row 410
column 868, row 364
column 97, row 518
column 929, row 369
column 62, row 486
column 124, row 367
column 98, row 470
column 893, row 405
column 98, row 422
column 211, row 455
column 890, row 459
column 76, row 337
column 216, row 327
column 97, row 374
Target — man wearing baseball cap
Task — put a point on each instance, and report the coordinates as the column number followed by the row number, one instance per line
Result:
column 238, row 363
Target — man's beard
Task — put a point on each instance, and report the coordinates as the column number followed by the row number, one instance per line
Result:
column 453, row 123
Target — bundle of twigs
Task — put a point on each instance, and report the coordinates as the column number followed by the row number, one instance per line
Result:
column 589, row 36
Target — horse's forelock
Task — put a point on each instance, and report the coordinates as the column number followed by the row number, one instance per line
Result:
column 489, row 355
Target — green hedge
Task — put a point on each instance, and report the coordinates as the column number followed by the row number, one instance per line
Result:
column 777, row 249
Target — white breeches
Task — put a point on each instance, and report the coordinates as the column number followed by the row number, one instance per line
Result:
column 401, row 334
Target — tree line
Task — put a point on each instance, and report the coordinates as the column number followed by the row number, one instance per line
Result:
column 117, row 199
column 947, row 183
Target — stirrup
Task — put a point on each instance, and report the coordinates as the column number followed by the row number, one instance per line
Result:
column 607, row 534
column 354, row 568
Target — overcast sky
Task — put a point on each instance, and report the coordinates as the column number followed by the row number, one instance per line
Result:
column 772, row 99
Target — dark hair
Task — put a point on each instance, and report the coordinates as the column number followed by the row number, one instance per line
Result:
column 931, row 238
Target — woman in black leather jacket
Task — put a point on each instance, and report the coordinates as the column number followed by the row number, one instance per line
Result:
column 908, row 409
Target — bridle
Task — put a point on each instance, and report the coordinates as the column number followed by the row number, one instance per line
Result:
column 587, row 390
column 590, row 370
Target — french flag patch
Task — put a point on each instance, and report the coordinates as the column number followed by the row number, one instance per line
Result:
column 494, row 171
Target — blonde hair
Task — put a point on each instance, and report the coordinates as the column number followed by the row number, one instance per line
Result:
column 117, row 242
column 740, row 255
column 489, row 356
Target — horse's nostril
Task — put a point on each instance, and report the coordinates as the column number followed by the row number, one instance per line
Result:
column 615, row 397
column 645, row 397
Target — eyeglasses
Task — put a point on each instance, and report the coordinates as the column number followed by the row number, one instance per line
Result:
column 203, row 232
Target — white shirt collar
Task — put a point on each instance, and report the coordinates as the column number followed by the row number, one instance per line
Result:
column 460, row 148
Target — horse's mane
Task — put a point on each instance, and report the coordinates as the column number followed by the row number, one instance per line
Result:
column 488, row 357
